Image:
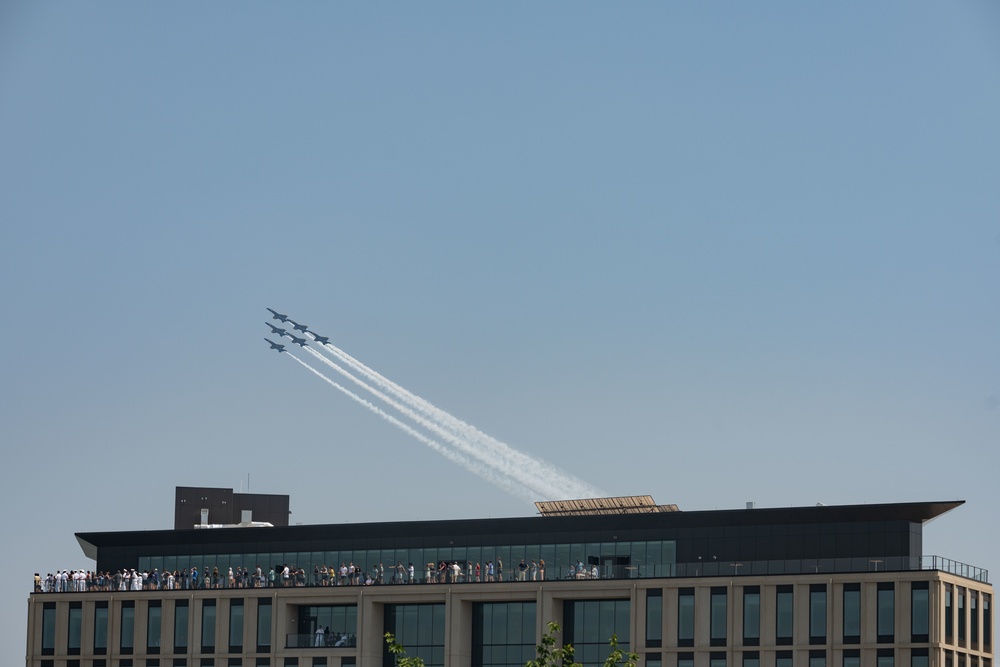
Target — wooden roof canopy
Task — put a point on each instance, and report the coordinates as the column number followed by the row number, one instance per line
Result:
column 589, row 506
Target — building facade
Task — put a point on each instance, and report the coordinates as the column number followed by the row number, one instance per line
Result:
column 825, row 586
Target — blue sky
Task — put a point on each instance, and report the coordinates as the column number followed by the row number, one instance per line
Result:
column 711, row 252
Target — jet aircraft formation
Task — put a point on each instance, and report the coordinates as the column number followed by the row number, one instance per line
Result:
column 284, row 333
column 497, row 462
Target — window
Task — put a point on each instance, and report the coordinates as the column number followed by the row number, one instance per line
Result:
column 718, row 616
column 852, row 613
column 654, row 660
column 74, row 628
column 885, row 657
column 503, row 634
column 49, row 628
column 852, row 657
column 685, row 660
column 589, row 623
column 418, row 627
column 751, row 616
column 949, row 616
column 716, row 659
column 208, row 626
column 685, row 617
column 154, row 617
column 817, row 615
column 235, row 626
column 886, row 612
column 263, row 625
column 919, row 611
column 919, row 657
column 654, row 618
column 817, row 658
column 101, row 628
column 987, row 624
column 751, row 659
column 338, row 623
column 961, row 616
column 127, row 627
column 783, row 659
column 180, row 626
column 973, row 617
column 783, row 615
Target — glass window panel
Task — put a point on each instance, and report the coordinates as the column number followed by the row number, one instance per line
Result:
column 920, row 612
column 235, row 624
column 718, row 611
column 654, row 618
column 961, row 614
column 208, row 625
column 154, row 616
column 817, row 613
column 74, row 630
column 886, row 611
column 264, row 623
column 852, row 613
column 181, row 625
column 101, row 627
column 127, row 627
column 751, row 615
column 783, row 613
column 973, row 617
column 685, row 616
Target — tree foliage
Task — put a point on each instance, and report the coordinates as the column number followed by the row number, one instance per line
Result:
column 547, row 653
column 399, row 653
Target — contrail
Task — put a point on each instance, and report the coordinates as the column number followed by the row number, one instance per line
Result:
column 507, row 484
column 562, row 483
column 525, row 477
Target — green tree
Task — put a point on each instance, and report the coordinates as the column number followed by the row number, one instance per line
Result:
column 399, row 653
column 548, row 655
column 619, row 657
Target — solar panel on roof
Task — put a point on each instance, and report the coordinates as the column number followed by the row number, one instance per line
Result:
column 614, row 505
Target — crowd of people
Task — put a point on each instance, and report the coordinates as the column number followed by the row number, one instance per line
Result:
column 347, row 574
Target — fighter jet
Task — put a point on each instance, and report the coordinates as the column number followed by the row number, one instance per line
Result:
column 298, row 341
column 297, row 326
column 322, row 340
column 275, row 346
column 276, row 330
column 278, row 316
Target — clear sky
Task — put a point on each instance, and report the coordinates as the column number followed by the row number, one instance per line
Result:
column 713, row 252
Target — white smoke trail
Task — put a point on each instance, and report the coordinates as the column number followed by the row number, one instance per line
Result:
column 560, row 483
column 541, row 487
column 505, row 483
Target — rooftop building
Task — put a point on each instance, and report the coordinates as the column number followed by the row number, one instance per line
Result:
column 820, row 586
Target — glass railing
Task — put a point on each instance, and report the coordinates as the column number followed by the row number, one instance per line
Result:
column 577, row 572
column 321, row 640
